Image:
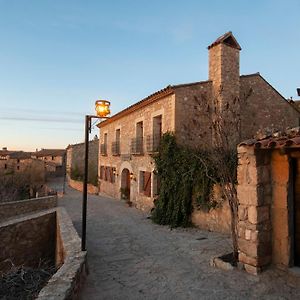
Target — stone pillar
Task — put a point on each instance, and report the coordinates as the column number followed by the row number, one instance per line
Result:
column 254, row 195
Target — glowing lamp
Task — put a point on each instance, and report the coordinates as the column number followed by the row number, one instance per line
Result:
column 102, row 108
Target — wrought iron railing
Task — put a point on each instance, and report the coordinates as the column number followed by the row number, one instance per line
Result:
column 103, row 149
column 137, row 146
column 115, row 148
column 152, row 143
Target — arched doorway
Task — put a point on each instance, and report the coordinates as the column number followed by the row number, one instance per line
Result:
column 125, row 184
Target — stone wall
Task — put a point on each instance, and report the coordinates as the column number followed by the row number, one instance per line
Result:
column 68, row 280
column 75, row 158
column 193, row 108
column 254, row 211
column 216, row 219
column 12, row 209
column 27, row 240
column 78, row 185
column 263, row 107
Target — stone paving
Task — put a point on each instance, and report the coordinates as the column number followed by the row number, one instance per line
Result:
column 131, row 258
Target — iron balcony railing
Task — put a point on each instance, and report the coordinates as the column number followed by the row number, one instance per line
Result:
column 115, row 148
column 103, row 149
column 152, row 143
column 137, row 146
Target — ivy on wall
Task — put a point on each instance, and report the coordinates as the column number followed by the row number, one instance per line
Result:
column 186, row 176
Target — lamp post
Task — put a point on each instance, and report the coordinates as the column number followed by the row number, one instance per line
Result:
column 102, row 108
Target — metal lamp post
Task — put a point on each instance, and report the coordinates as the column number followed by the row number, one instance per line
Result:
column 102, row 108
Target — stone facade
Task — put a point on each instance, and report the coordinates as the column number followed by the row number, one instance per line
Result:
column 240, row 104
column 139, row 162
column 75, row 159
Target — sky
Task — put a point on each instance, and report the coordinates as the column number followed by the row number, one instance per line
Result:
column 58, row 56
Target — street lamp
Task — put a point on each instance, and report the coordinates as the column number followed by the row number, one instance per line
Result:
column 102, row 108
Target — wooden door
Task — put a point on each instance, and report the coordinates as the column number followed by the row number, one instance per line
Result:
column 297, row 213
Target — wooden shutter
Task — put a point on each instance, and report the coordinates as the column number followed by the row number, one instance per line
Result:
column 147, row 184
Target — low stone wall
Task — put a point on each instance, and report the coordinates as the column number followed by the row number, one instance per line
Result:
column 67, row 281
column 15, row 208
column 78, row 185
column 26, row 240
column 217, row 219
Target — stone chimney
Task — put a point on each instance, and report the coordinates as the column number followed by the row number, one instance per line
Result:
column 224, row 72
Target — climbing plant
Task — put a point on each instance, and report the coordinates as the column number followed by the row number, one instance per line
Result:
column 185, row 175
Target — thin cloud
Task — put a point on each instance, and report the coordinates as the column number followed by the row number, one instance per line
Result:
column 35, row 119
column 39, row 111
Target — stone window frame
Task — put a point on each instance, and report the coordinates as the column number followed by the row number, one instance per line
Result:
column 157, row 113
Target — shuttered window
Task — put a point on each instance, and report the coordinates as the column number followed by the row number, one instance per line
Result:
column 145, row 183
column 108, row 174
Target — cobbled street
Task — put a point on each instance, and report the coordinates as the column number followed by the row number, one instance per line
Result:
column 129, row 257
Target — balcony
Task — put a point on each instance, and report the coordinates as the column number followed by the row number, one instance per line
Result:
column 152, row 143
column 137, row 146
column 103, row 149
column 115, row 148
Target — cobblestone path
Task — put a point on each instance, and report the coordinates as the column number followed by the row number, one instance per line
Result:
column 131, row 258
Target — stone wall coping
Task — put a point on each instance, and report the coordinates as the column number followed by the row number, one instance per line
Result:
column 10, row 210
column 27, row 200
column 65, row 283
column 26, row 217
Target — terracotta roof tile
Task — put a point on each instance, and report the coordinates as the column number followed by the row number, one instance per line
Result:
column 50, row 152
column 287, row 139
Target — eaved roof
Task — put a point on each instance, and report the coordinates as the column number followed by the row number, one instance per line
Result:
column 20, row 155
column 280, row 139
column 168, row 90
column 227, row 39
column 50, row 152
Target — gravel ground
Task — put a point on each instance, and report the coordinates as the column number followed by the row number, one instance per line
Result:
column 131, row 258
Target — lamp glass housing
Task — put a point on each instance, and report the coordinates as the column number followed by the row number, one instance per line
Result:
column 102, row 108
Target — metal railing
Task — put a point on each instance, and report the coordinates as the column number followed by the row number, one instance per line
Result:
column 152, row 143
column 103, row 149
column 137, row 146
column 115, row 148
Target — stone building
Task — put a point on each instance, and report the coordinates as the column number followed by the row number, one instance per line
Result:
column 245, row 103
column 75, row 161
column 269, row 201
column 54, row 160
column 14, row 161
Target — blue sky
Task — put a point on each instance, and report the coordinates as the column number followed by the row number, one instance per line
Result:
column 58, row 57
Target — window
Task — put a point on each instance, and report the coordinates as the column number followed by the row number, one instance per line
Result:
column 18, row 160
column 108, row 174
column 52, row 157
column 137, row 144
column 145, row 183
column 103, row 148
column 18, row 167
column 5, row 166
column 116, row 143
